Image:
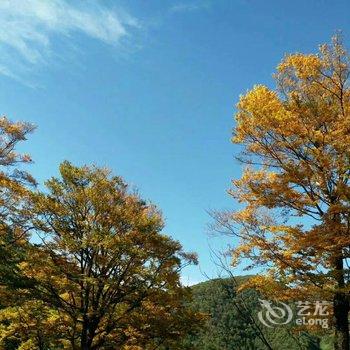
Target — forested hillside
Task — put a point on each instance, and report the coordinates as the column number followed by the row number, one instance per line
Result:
column 231, row 317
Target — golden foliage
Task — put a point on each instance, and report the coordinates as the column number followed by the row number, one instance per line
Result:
column 104, row 267
column 295, row 189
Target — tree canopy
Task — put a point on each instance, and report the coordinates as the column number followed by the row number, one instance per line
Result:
column 103, row 276
column 295, row 187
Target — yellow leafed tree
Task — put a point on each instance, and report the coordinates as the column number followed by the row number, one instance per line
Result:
column 295, row 188
column 104, row 277
column 14, row 200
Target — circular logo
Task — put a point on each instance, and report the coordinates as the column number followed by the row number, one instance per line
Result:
column 273, row 315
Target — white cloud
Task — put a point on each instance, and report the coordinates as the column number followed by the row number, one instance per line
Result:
column 189, row 7
column 27, row 28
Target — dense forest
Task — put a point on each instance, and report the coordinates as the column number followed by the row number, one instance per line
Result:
column 232, row 322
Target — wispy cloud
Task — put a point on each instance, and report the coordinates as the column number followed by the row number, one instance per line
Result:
column 27, row 29
column 190, row 6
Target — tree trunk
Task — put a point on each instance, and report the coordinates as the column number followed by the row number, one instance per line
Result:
column 88, row 334
column 341, row 310
column 85, row 341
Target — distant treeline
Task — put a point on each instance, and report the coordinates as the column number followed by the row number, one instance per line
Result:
column 230, row 325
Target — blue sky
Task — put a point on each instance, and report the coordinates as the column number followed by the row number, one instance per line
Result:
column 148, row 89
